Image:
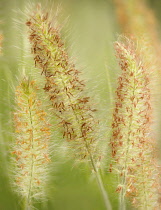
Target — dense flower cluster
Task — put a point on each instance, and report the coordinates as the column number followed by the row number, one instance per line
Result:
column 31, row 149
column 63, row 85
column 133, row 146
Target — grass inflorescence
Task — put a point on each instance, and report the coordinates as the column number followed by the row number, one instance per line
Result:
column 133, row 143
column 66, row 92
column 31, row 149
column 63, row 86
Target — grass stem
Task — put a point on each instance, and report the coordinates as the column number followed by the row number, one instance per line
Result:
column 101, row 185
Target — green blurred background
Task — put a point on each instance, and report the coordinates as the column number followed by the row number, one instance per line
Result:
column 90, row 32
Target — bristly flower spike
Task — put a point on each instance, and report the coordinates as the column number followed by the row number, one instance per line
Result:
column 133, row 145
column 30, row 152
column 66, row 91
column 63, row 86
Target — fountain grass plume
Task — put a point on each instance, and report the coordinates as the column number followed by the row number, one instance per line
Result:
column 30, row 151
column 63, row 85
column 133, row 144
column 66, row 91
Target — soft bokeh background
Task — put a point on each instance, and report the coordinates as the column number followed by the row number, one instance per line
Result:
column 90, row 31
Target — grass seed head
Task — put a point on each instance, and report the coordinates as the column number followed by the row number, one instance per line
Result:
column 30, row 152
column 132, row 143
column 63, row 86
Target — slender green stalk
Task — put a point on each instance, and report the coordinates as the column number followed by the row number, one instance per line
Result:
column 103, row 191
column 101, row 185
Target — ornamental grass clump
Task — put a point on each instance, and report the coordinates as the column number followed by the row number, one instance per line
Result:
column 30, row 152
column 133, row 144
column 66, row 91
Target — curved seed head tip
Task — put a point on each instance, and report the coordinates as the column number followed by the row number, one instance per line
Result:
column 63, row 86
column 132, row 144
column 31, row 148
